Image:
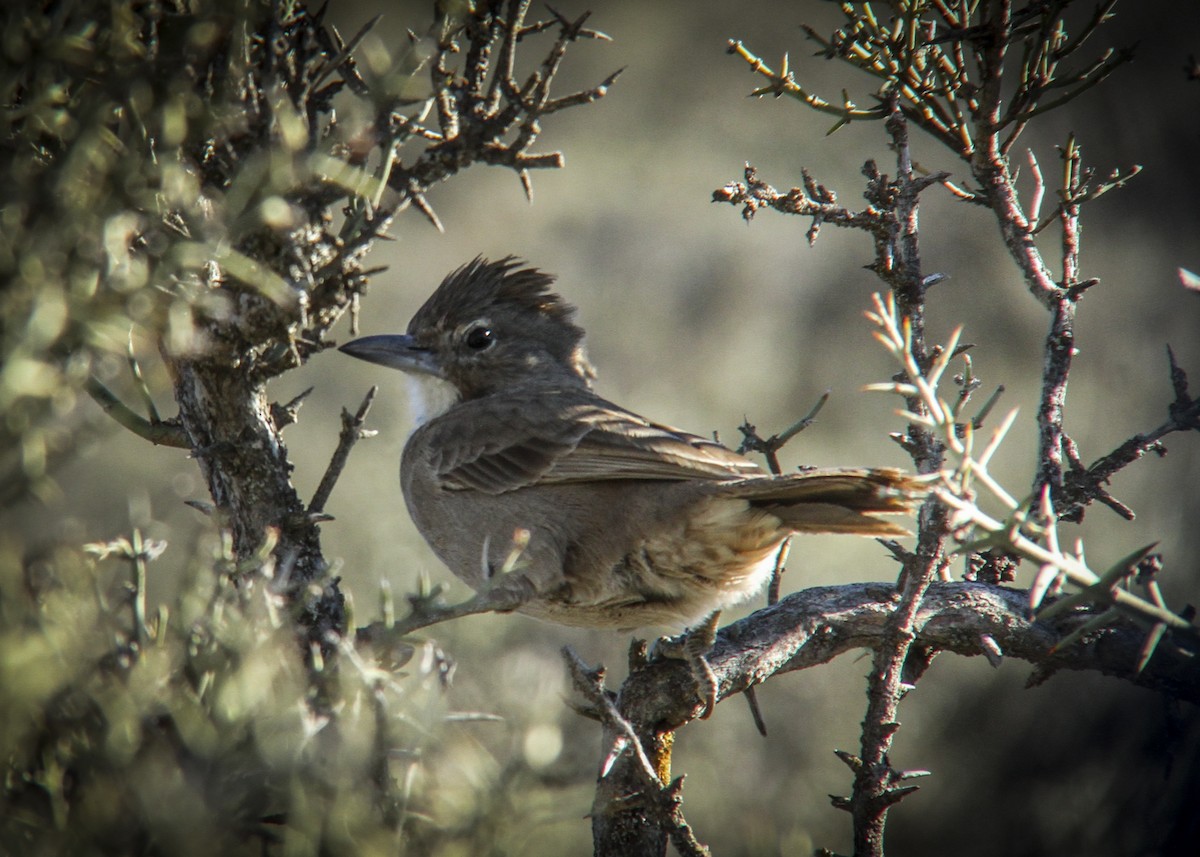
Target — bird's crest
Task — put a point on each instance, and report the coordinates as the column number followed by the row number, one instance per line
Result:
column 481, row 287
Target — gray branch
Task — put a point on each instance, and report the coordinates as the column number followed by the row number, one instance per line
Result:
column 816, row 625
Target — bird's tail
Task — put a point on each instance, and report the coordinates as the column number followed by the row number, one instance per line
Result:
column 836, row 500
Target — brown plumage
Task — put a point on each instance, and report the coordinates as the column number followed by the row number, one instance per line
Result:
column 630, row 522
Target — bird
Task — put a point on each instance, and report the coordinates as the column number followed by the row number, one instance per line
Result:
column 547, row 499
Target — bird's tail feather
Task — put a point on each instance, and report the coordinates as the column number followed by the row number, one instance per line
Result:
column 842, row 500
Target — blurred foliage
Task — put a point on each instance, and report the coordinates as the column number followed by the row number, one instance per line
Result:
column 176, row 178
column 161, row 162
column 98, row 210
column 194, row 730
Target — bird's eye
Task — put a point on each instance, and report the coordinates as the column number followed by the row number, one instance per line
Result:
column 480, row 338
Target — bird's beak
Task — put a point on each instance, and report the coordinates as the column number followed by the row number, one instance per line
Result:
column 397, row 350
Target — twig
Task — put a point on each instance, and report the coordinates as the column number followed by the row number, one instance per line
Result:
column 754, row 194
column 496, row 596
column 286, row 414
column 424, row 617
column 1083, row 485
column 769, row 447
column 135, row 369
column 352, row 432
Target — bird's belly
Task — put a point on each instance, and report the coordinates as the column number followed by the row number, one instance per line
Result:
column 708, row 554
column 723, row 554
column 644, row 557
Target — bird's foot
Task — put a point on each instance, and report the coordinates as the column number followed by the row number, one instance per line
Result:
column 507, row 586
column 692, row 647
column 501, row 594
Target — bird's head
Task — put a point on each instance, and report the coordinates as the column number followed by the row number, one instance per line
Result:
column 489, row 326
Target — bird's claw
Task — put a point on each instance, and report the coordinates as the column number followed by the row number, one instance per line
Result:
column 692, row 647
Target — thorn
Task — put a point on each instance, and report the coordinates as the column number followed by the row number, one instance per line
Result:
column 897, row 550
column 854, row 763
column 1076, row 291
column 893, row 796
column 285, row 415
column 1151, row 643
column 991, row 650
column 1148, row 568
column 1179, row 381
column 755, row 711
column 984, row 411
column 423, row 206
column 1189, row 280
column 1042, row 583
column 620, row 745
column 570, row 28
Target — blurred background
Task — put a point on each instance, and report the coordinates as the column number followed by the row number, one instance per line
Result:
column 699, row 320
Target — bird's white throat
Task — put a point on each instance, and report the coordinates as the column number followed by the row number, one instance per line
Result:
column 429, row 397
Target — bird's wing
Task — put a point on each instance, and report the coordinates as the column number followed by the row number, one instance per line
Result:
column 543, row 437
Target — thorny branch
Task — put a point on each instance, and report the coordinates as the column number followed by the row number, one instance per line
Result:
column 812, row 200
column 652, row 797
column 813, row 626
column 273, row 269
column 1030, row 529
column 891, row 220
column 898, row 261
column 951, row 69
column 483, row 112
column 770, row 446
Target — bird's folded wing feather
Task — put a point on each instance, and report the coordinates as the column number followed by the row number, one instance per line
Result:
column 578, row 439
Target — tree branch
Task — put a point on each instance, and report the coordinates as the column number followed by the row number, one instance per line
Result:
column 352, row 432
column 813, row 626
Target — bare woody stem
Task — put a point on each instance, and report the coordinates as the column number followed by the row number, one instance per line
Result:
column 876, row 783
